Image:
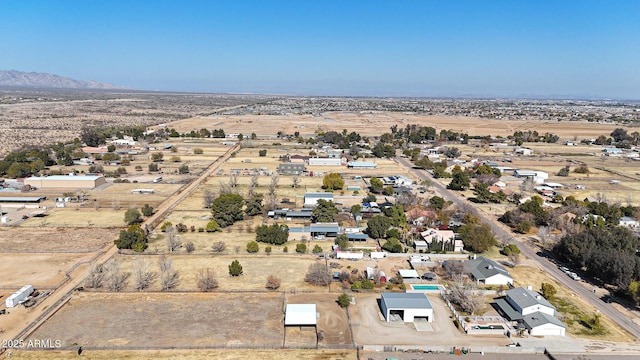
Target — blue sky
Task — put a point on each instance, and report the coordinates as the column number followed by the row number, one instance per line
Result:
column 360, row 48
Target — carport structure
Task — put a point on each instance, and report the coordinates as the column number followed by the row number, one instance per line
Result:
column 301, row 315
column 408, row 306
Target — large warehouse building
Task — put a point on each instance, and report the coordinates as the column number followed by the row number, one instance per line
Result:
column 66, row 181
column 406, row 306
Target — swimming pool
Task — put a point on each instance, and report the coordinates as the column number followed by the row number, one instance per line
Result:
column 427, row 287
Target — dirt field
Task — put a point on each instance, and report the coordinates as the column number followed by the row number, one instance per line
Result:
column 155, row 320
column 332, row 323
column 37, row 239
column 279, row 354
column 256, row 268
column 376, row 123
column 79, row 217
column 39, row 270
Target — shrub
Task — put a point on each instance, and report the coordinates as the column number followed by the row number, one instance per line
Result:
column 198, row 151
column 301, row 248
column 317, row 249
column 262, row 152
column 253, row 247
column 235, row 269
column 165, row 226
column 344, row 300
column 273, row 282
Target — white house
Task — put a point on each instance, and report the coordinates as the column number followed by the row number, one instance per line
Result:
column 311, row 198
column 489, row 272
column 541, row 324
column 406, row 306
column 629, row 222
column 435, row 235
column 524, row 151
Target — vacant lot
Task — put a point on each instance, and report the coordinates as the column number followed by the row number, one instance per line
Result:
column 36, row 239
column 279, row 354
column 256, row 268
column 156, row 320
column 39, row 270
column 79, row 217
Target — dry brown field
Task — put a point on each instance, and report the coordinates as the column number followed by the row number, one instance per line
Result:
column 39, row 270
column 376, row 123
column 235, row 354
column 158, row 320
column 78, row 217
column 48, row 240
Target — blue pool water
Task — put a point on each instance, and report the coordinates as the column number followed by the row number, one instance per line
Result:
column 427, row 287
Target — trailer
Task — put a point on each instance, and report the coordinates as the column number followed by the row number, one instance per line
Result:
column 350, row 255
column 378, row 254
column 19, row 296
column 370, row 273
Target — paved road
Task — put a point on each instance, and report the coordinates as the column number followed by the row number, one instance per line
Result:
column 544, row 263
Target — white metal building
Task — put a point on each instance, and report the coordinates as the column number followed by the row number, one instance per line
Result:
column 66, row 181
column 541, row 324
column 301, row 315
column 311, row 198
column 19, row 296
column 407, row 306
column 325, row 161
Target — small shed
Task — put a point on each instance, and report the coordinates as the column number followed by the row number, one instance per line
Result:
column 382, row 277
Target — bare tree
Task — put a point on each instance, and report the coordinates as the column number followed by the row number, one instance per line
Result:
column 172, row 239
column 115, row 204
column 273, row 282
column 165, row 263
column 96, row 276
column 233, row 181
column 487, row 179
column 208, row 198
column 272, row 201
column 142, row 277
column 318, row 275
column 514, row 258
column 225, row 189
column 274, row 184
column 527, row 185
column 189, row 246
column 295, row 181
column 114, row 277
column 463, row 293
column 254, row 180
column 407, row 199
column 219, row 247
column 169, row 278
column 453, row 267
column 206, row 279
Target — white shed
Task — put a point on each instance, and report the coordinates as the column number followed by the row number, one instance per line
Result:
column 19, row 296
column 541, row 324
column 406, row 306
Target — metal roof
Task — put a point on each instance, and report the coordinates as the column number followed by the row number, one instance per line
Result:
column 22, row 198
column 539, row 318
column 526, row 298
column 357, row 236
column 301, row 314
column 483, row 268
column 324, row 227
column 65, row 177
column 409, row 273
column 321, row 195
column 406, row 300
column 508, row 310
column 298, row 214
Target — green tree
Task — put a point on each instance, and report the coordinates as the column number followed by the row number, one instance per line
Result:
column 166, row 225
column 253, row 247
column 272, row 234
column 510, row 249
column 262, row 153
column 460, row 181
column 355, row 209
column 132, row 216
column 344, row 300
column 317, row 249
column 147, row 210
column 376, row 185
column 183, row 169
column 333, row 181
column 157, row 156
column 253, row 205
column 111, row 148
column 342, row 241
column 212, row 226
column 388, row 190
column 377, row 226
column 397, row 215
column 548, row 290
column 133, row 238
column 478, row 237
column 301, row 248
column 392, row 245
column 325, row 211
column 436, row 203
column 227, row 209
column 235, row 269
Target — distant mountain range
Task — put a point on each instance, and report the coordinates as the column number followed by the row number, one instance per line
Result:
column 45, row 80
